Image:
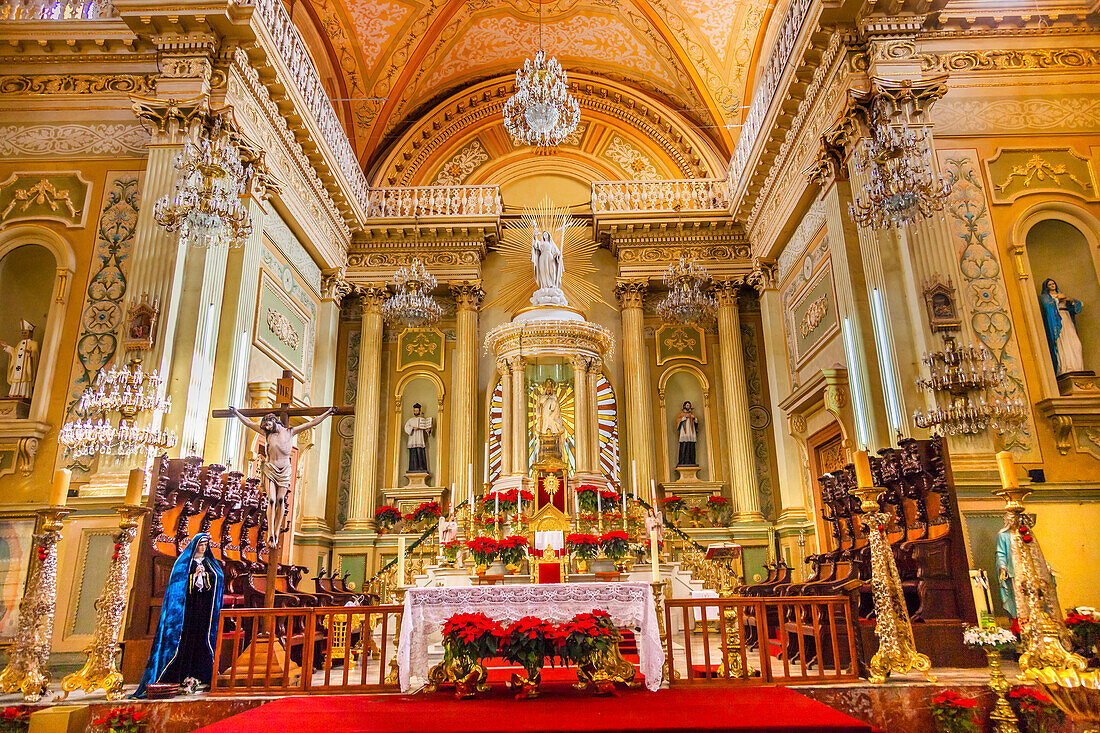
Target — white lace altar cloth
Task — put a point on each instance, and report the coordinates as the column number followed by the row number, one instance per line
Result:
column 629, row 604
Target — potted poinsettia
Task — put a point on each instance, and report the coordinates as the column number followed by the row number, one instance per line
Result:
column 426, row 512
column 954, row 713
column 387, row 517
column 451, row 549
column 121, row 720
column 673, row 505
column 1034, row 710
column 610, row 501
column 585, row 640
column 716, row 507
column 587, row 498
column 15, row 719
column 1084, row 623
column 468, row 640
column 583, row 547
column 528, row 643
column 615, row 545
column 484, row 550
column 512, row 551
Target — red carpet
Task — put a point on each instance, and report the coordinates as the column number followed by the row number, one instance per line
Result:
column 561, row 709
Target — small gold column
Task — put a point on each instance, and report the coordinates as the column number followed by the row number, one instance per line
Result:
column 505, row 417
column 366, row 438
column 467, row 296
column 736, row 398
column 582, row 448
column 638, row 404
column 519, row 417
column 594, row 416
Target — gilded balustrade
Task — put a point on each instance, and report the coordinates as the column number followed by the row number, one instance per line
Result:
column 427, row 201
column 703, row 194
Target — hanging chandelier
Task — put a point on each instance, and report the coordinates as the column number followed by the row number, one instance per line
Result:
column 130, row 392
column 960, row 379
column 205, row 206
column 900, row 186
column 542, row 112
column 412, row 304
column 688, row 300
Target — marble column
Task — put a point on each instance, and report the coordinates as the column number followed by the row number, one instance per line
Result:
column 582, row 448
column 464, row 421
column 519, row 417
column 367, row 439
column 735, row 393
column 505, row 417
column 593, row 377
column 638, row 402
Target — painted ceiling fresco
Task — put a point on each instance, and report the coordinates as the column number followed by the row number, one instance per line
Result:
column 398, row 58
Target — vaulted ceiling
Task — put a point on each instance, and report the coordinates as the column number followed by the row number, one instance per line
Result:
column 390, row 62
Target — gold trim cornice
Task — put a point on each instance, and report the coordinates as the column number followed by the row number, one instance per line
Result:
column 76, row 84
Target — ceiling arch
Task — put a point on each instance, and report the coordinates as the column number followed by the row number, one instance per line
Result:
column 402, row 57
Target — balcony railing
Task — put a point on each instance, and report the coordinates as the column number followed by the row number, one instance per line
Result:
column 424, row 201
column 702, row 194
column 56, row 10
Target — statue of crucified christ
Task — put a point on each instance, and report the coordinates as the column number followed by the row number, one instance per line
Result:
column 279, row 445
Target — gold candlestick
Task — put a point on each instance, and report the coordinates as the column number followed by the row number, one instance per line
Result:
column 28, row 669
column 392, row 676
column 1002, row 717
column 897, row 651
column 99, row 671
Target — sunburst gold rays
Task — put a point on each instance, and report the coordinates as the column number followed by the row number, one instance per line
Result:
column 518, row 277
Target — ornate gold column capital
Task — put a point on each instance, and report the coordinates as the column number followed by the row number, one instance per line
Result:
column 631, row 291
column 728, row 291
column 762, row 276
column 468, row 294
column 334, row 286
column 372, row 296
column 169, row 119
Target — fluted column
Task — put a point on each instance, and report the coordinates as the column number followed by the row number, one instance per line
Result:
column 505, row 417
column 468, row 296
column 638, row 405
column 738, row 432
column 594, row 417
column 519, row 418
column 582, row 448
column 366, row 440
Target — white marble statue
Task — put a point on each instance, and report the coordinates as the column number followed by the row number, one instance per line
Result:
column 22, row 362
column 549, row 267
column 548, row 409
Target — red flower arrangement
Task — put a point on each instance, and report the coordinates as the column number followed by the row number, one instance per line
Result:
column 717, row 502
column 15, row 719
column 528, row 643
column 673, row 504
column 512, row 549
column 1084, row 623
column 469, row 638
column 450, row 549
column 484, row 549
column 427, row 510
column 584, row 546
column 954, row 713
column 387, row 516
column 1035, row 710
column 585, row 636
column 586, row 497
column 615, row 544
column 121, row 720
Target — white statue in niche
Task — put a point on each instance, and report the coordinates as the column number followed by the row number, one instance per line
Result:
column 549, row 268
column 548, row 409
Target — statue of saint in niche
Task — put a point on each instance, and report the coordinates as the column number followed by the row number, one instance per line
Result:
column 1059, row 320
column 687, row 429
column 549, row 425
column 418, row 428
column 549, row 268
column 22, row 362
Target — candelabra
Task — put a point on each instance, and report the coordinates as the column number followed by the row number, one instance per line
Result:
column 412, row 304
column 398, row 597
column 99, row 671
column 28, row 669
column 897, row 652
column 960, row 379
column 658, row 596
column 688, row 300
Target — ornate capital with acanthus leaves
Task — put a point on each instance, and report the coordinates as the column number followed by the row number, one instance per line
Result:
column 762, row 276
column 334, row 286
column 728, row 291
column 372, row 296
column 169, row 119
column 467, row 293
column 631, row 292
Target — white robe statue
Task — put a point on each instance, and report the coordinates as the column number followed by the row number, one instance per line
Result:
column 548, row 410
column 22, row 362
column 549, row 267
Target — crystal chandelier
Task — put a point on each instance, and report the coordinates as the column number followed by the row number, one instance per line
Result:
column 205, row 207
column 688, row 300
column 129, row 392
column 542, row 112
column 960, row 380
column 412, row 304
column 900, row 186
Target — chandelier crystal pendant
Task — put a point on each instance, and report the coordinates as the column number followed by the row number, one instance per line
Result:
column 542, row 112
column 900, row 185
column 412, row 304
column 961, row 381
column 205, row 206
column 688, row 299
column 130, row 392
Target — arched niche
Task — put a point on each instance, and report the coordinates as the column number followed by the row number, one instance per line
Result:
column 425, row 388
column 36, row 269
column 1059, row 240
column 680, row 383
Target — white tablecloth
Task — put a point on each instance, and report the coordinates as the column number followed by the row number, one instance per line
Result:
column 629, row 604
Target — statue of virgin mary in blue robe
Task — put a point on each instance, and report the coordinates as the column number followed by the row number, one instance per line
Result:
column 188, row 630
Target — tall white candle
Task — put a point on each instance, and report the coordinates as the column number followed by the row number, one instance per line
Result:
column 634, row 477
column 654, row 565
column 496, row 502
column 470, row 475
column 486, row 465
column 599, row 502
column 451, row 502
column 653, row 492
column 400, row 561
column 624, row 503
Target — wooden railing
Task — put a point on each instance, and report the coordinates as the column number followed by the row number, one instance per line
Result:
column 334, row 649
column 784, row 640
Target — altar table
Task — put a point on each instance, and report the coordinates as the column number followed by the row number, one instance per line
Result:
column 629, row 604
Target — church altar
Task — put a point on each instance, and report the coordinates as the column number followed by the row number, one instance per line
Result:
column 629, row 604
